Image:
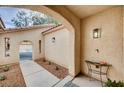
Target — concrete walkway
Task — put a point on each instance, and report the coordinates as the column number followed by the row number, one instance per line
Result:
column 36, row 76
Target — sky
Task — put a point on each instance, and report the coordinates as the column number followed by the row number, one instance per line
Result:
column 7, row 14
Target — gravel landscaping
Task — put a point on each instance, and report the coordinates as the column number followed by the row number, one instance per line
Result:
column 57, row 70
column 14, row 77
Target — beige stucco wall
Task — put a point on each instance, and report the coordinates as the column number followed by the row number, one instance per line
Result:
column 58, row 52
column 110, row 44
column 75, row 22
column 16, row 38
column 123, row 38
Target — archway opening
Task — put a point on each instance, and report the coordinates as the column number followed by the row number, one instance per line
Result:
column 66, row 23
column 25, row 50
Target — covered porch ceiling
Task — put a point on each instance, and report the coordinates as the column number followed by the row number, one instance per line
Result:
column 83, row 11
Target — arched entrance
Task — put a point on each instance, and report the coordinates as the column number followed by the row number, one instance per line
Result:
column 25, row 50
column 72, row 23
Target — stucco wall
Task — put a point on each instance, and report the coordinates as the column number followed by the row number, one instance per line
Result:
column 110, row 44
column 58, row 51
column 33, row 35
column 75, row 22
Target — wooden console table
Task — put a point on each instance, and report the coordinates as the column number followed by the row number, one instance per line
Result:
column 99, row 70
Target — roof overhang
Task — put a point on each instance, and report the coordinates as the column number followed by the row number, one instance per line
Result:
column 53, row 29
column 11, row 30
column 2, row 26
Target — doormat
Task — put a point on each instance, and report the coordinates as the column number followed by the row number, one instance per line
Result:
column 70, row 84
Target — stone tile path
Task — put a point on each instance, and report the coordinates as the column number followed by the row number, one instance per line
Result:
column 37, row 76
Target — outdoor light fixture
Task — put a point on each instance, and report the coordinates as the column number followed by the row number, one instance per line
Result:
column 53, row 39
column 96, row 33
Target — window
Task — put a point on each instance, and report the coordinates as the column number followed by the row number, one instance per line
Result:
column 39, row 46
column 7, row 46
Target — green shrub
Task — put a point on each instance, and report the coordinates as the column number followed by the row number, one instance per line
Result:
column 2, row 77
column 49, row 63
column 44, row 60
column 56, row 68
column 6, row 68
column 114, row 83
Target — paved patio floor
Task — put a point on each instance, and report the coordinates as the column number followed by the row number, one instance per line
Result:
column 84, row 81
column 37, row 76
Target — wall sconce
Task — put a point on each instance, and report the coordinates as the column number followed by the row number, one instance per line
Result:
column 96, row 33
column 97, row 50
column 7, row 47
column 53, row 39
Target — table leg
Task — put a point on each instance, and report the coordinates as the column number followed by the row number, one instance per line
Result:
column 101, row 75
column 107, row 72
